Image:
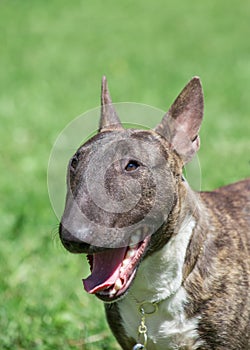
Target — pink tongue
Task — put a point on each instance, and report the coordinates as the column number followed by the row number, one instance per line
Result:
column 106, row 266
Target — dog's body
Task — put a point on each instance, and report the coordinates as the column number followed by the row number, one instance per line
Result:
column 188, row 280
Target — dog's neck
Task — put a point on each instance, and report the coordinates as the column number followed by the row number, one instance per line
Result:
column 161, row 274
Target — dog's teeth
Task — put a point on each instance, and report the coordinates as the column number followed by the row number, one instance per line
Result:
column 122, row 269
column 125, row 262
column 118, row 284
column 130, row 253
column 112, row 292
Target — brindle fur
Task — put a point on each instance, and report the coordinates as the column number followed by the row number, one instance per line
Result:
column 216, row 272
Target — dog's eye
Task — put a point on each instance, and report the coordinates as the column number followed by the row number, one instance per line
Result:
column 132, row 165
column 74, row 161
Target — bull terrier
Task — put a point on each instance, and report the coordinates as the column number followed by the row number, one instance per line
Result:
column 171, row 265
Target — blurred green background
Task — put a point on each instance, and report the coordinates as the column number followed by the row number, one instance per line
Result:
column 52, row 56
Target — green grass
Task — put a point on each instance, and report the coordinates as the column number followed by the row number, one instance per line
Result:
column 53, row 54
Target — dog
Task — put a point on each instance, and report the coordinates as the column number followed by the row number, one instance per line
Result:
column 172, row 265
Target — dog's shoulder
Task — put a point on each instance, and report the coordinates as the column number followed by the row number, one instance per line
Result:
column 230, row 206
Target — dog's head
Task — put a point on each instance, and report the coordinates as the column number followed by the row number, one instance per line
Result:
column 123, row 187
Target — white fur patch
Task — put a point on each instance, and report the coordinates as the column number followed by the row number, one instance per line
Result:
column 159, row 280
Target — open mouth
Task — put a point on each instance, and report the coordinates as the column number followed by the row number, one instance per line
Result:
column 113, row 270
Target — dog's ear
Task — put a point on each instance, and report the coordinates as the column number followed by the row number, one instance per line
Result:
column 109, row 119
column 181, row 124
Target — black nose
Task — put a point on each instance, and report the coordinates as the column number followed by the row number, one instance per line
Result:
column 71, row 243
